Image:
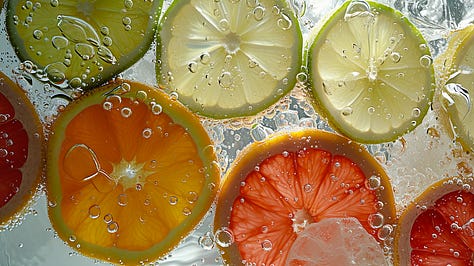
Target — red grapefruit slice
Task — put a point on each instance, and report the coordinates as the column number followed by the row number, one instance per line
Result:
column 277, row 188
column 438, row 227
column 21, row 150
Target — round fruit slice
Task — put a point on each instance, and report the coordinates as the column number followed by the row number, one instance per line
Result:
column 21, row 150
column 130, row 173
column 277, row 188
column 78, row 43
column 438, row 227
column 456, row 80
column 371, row 72
column 229, row 58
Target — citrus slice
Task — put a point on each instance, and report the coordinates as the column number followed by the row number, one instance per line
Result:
column 130, row 173
column 277, row 188
column 78, row 43
column 229, row 58
column 21, row 150
column 371, row 72
column 438, row 227
column 456, row 81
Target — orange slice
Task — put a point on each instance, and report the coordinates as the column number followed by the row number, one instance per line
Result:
column 21, row 150
column 278, row 187
column 438, row 227
column 130, row 173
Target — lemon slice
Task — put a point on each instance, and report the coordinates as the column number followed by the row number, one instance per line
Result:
column 371, row 72
column 229, row 58
column 456, row 66
column 81, row 44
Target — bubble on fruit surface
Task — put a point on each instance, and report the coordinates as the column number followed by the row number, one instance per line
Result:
column 376, row 220
column 224, row 237
column 267, row 245
column 94, row 211
column 357, row 8
column 206, row 241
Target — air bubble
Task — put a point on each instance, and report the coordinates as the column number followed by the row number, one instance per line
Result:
column 128, row 4
column 75, row 83
column 126, row 20
column 373, row 182
column 284, row 22
column 308, row 188
column 357, row 8
column 371, row 110
column 426, row 61
column 107, row 106
column 3, row 153
column 108, row 218
column 225, row 80
column 173, row 200
column 301, row 77
column 126, row 112
column 192, row 197
column 112, row 227
column 224, row 24
column 346, row 111
column 107, row 41
column 37, row 34
column 384, row 232
column 252, row 3
column 224, row 237
column 205, row 58
column 54, row 3
column 416, row 112
column 72, row 238
column 395, row 57
column 259, row 13
column 206, row 241
column 122, row 199
column 147, row 132
column 156, row 109
column 267, row 245
column 94, row 211
column 192, row 67
column 376, row 220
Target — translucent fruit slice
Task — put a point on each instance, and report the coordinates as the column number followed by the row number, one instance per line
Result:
column 21, row 150
column 371, row 72
column 130, row 173
column 456, row 80
column 277, row 188
column 229, row 58
column 79, row 43
column 438, row 227
column 335, row 241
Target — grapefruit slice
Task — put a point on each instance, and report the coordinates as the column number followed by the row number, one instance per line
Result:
column 21, row 150
column 277, row 188
column 130, row 173
column 438, row 227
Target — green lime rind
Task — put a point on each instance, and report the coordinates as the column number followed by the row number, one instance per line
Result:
column 371, row 72
column 81, row 44
column 227, row 59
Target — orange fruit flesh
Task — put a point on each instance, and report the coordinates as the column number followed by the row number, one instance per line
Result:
column 130, row 182
column 298, row 184
column 444, row 234
column 21, row 150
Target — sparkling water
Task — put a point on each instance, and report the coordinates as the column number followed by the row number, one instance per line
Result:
column 413, row 162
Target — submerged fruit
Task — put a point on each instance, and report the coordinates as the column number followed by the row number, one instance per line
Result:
column 456, row 81
column 229, row 58
column 21, row 150
column 371, row 72
column 79, row 44
column 438, row 227
column 130, row 173
column 277, row 188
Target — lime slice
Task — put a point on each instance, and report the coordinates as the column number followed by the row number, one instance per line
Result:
column 371, row 72
column 456, row 66
column 229, row 58
column 81, row 44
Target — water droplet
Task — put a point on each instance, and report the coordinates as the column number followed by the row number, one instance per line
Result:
column 395, row 57
column 259, row 13
column 126, row 112
column 224, row 237
column 376, row 220
column 94, row 211
column 225, row 80
column 357, row 8
column 346, row 111
column 192, row 67
column 112, row 227
column 37, row 34
column 173, row 200
column 373, row 182
column 267, row 245
column 284, row 22
column 426, row 61
column 205, row 58
column 122, row 199
column 147, row 132
column 128, row 4
column 206, row 241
